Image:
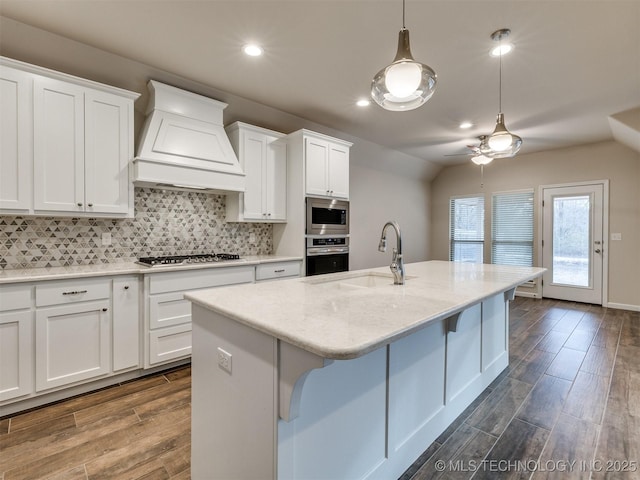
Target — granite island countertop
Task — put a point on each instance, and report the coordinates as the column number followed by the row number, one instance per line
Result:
column 334, row 318
column 124, row 268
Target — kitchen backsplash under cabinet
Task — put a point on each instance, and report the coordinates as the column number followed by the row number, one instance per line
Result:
column 167, row 222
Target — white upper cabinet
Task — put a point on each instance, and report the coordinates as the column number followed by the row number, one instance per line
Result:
column 71, row 140
column 263, row 157
column 107, row 152
column 326, row 166
column 16, row 141
column 58, row 153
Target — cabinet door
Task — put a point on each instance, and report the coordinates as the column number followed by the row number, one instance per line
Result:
column 254, row 147
column 16, row 139
column 58, row 146
column 126, row 323
column 316, row 159
column 16, row 354
column 276, row 181
column 338, row 171
column 107, row 142
column 72, row 343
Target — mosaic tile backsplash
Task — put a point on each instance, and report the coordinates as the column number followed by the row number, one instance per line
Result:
column 166, row 222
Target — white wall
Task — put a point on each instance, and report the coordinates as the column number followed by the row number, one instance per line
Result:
column 606, row 160
column 385, row 184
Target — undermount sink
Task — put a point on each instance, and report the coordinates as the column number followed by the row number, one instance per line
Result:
column 362, row 280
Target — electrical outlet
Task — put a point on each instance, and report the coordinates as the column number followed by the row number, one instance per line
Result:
column 224, row 360
column 252, row 238
column 616, row 236
column 106, row 239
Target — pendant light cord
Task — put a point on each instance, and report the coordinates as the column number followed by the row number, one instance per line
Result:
column 500, row 80
column 403, row 15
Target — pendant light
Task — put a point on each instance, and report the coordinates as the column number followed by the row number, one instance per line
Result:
column 405, row 84
column 502, row 142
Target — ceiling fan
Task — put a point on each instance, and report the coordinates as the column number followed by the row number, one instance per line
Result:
column 482, row 150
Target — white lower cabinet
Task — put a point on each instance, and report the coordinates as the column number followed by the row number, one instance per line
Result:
column 73, row 331
column 168, row 314
column 16, row 342
column 72, row 343
column 126, row 323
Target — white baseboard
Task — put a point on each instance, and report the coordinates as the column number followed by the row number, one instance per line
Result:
column 623, row 306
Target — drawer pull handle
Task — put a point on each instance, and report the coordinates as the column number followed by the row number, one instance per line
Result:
column 279, row 271
column 105, row 309
column 75, row 292
column 126, row 287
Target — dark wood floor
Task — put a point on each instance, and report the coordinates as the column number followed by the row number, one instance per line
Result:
column 570, row 394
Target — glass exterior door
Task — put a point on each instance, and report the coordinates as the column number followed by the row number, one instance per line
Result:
column 572, row 249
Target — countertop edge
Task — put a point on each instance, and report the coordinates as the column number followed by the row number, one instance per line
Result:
column 125, row 268
column 358, row 350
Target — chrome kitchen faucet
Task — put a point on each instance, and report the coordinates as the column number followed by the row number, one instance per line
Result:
column 397, row 265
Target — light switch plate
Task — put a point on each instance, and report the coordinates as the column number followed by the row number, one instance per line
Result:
column 616, row 236
column 106, row 238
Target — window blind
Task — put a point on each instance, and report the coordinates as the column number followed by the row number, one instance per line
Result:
column 466, row 229
column 512, row 228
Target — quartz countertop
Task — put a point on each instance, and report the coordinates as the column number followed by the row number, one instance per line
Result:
column 77, row 271
column 332, row 317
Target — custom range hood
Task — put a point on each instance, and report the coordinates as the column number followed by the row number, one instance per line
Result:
column 183, row 144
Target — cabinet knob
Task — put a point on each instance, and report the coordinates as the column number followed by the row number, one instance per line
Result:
column 126, row 287
column 79, row 204
column 90, row 204
column 105, row 309
column 268, row 214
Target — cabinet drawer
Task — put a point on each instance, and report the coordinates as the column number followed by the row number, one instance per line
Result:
column 13, row 297
column 270, row 271
column 195, row 279
column 169, row 343
column 70, row 291
column 168, row 309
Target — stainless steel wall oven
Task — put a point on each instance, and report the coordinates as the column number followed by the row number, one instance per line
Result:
column 326, row 254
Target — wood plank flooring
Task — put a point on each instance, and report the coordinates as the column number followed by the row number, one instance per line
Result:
column 570, row 394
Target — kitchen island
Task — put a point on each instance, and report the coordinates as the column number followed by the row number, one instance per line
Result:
column 343, row 375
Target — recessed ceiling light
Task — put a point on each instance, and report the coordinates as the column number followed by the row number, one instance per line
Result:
column 466, row 125
column 363, row 103
column 253, row 50
column 501, row 49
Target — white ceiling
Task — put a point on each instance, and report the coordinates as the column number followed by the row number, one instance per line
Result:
column 574, row 63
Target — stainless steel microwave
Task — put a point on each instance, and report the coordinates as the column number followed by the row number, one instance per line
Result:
column 327, row 216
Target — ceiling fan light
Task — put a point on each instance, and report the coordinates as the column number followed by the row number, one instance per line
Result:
column 481, row 160
column 405, row 84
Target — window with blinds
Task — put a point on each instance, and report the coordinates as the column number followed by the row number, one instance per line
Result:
column 512, row 228
column 466, row 229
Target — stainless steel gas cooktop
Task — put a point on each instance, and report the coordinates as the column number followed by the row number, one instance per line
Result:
column 188, row 259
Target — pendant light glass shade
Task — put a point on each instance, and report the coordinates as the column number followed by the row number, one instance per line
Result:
column 502, row 141
column 405, row 84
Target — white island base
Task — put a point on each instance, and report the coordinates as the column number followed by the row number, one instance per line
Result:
column 286, row 413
